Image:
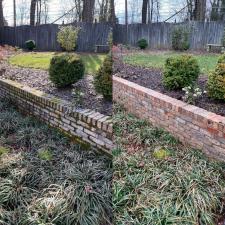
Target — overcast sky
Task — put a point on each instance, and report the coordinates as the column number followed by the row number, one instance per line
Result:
column 167, row 8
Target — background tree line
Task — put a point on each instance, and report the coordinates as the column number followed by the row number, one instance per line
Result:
column 37, row 11
column 144, row 11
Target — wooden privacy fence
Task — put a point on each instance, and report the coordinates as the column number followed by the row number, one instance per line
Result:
column 45, row 36
column 159, row 35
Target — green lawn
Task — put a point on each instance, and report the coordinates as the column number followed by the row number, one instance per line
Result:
column 206, row 62
column 42, row 60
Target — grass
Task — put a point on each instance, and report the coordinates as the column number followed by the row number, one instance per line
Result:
column 42, row 61
column 207, row 62
column 159, row 181
column 46, row 179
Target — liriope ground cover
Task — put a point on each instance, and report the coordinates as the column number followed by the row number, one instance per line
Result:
column 45, row 179
column 158, row 181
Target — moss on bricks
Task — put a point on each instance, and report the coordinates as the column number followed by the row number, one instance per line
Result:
column 3, row 150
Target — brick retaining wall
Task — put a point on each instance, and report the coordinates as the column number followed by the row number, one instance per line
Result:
column 85, row 125
column 191, row 125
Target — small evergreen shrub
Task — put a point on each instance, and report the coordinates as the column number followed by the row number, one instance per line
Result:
column 180, row 72
column 30, row 45
column 103, row 79
column 180, row 39
column 142, row 43
column 66, row 70
column 216, row 81
column 67, row 37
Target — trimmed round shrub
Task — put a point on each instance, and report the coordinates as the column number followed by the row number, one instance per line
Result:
column 142, row 43
column 103, row 78
column 180, row 72
column 66, row 70
column 216, row 81
column 30, row 45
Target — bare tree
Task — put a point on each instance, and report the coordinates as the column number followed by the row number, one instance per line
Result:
column 200, row 10
column 112, row 14
column 1, row 14
column 103, row 10
column 32, row 12
column 88, row 11
column 144, row 11
column 75, row 7
column 126, row 12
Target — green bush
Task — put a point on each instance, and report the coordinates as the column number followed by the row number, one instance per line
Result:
column 103, row 79
column 142, row 43
column 180, row 39
column 67, row 37
column 66, row 70
column 180, row 72
column 30, row 45
column 216, row 81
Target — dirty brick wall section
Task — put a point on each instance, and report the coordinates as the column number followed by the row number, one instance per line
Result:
column 191, row 125
column 86, row 125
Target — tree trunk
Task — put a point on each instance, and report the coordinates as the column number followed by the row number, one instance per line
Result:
column 14, row 12
column 112, row 17
column 32, row 12
column 144, row 11
column 200, row 10
column 88, row 11
column 1, row 14
column 126, row 12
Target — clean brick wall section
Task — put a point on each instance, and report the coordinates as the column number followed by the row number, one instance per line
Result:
column 191, row 125
column 86, row 125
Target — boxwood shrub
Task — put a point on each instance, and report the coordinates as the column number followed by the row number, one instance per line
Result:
column 66, row 69
column 216, row 81
column 103, row 78
column 30, row 45
column 142, row 43
column 180, row 72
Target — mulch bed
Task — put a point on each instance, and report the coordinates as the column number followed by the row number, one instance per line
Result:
column 38, row 79
column 152, row 78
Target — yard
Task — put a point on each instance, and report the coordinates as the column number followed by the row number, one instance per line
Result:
column 146, row 68
column 46, row 179
column 157, row 59
column 31, row 68
column 42, row 61
column 159, row 181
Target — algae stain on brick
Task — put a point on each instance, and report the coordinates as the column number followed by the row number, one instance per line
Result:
column 3, row 150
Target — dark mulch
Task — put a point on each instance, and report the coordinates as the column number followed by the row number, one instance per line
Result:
column 152, row 78
column 38, row 79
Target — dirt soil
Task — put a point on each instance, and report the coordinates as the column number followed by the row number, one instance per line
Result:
column 38, row 79
column 152, row 78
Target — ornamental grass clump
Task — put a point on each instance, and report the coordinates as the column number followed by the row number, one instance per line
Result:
column 180, row 72
column 216, row 81
column 46, row 179
column 159, row 181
